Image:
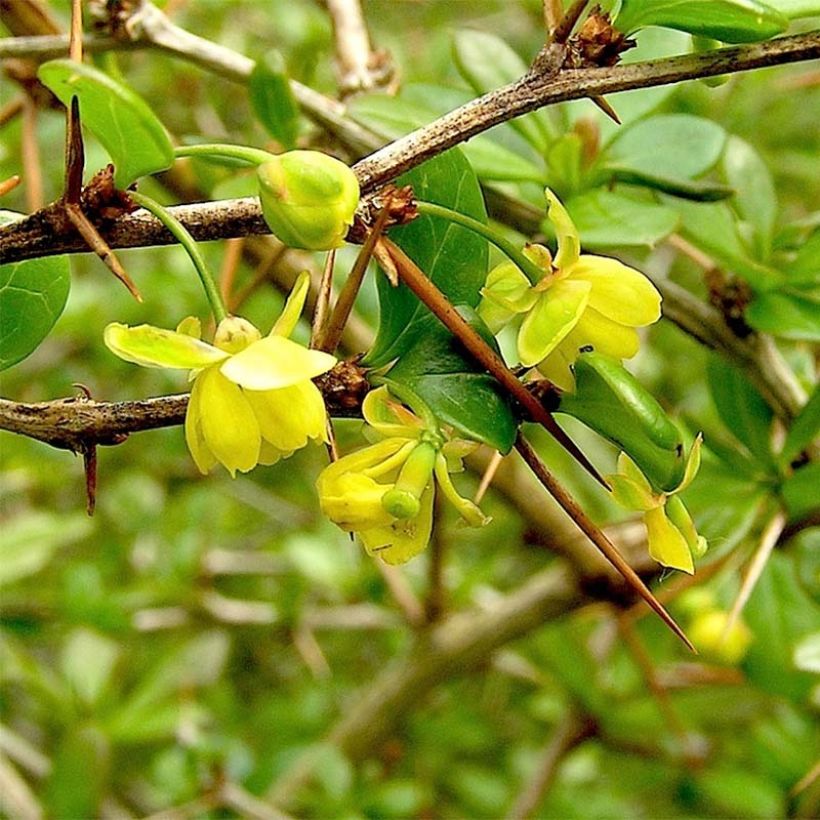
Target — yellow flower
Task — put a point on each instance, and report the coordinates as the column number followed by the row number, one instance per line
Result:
column 581, row 301
column 673, row 539
column 385, row 492
column 252, row 400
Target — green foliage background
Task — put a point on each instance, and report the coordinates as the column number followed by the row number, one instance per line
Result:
column 197, row 631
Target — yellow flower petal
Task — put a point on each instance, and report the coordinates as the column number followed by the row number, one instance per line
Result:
column 628, row 468
column 555, row 313
column 388, row 416
column 556, row 367
column 402, row 540
column 692, row 463
column 620, row 293
column 292, row 311
column 290, row 416
column 353, row 501
column 666, row 544
column 569, row 244
column 203, row 457
column 228, row 423
column 366, row 460
column 275, row 362
column 679, row 516
column 630, row 494
column 605, row 336
column 466, row 509
column 155, row 347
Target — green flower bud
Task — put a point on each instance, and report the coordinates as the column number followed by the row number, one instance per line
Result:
column 404, row 499
column 709, row 634
column 308, row 199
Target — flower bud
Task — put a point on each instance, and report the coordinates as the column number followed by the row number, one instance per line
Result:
column 308, row 199
column 234, row 334
column 404, row 499
column 709, row 634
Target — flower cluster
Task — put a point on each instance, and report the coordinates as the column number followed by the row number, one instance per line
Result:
column 580, row 301
column 252, row 400
column 385, row 492
column 673, row 539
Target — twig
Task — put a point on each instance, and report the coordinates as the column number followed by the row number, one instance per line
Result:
column 440, row 306
column 597, row 536
column 402, row 594
column 562, row 31
column 30, row 150
column 455, row 646
column 756, row 354
column 570, row 732
column 768, row 541
column 434, row 601
column 229, row 268
column 360, row 68
column 318, row 324
column 11, row 109
column 329, row 340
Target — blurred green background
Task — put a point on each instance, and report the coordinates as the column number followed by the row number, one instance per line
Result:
column 186, row 647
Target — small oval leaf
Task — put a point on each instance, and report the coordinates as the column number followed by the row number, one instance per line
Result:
column 272, row 99
column 117, row 116
column 33, row 294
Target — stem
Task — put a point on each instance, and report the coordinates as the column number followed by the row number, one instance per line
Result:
column 244, row 153
column 191, row 248
column 412, row 400
column 534, row 273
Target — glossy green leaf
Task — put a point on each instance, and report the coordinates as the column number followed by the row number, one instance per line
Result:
column 393, row 117
column 733, row 21
column 33, row 294
column 272, row 99
column 486, row 62
column 780, row 614
column 453, row 257
column 804, row 429
column 455, row 387
column 668, row 145
column 743, row 410
column 611, row 401
column 696, row 190
column 755, row 197
column 788, row 313
column 120, row 119
column 800, row 491
column 612, row 220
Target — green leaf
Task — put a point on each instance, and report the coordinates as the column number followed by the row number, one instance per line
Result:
column 805, row 269
column 713, row 227
column 87, row 663
column 120, row 119
column 79, row 773
column 794, row 9
column 272, row 99
column 393, row 117
column 780, row 614
column 486, row 62
column 788, row 313
column 804, row 429
column 733, row 21
column 30, row 541
column 453, row 257
column 613, row 220
column 732, row 792
column 696, row 190
column 455, row 387
column 33, row 294
column 755, row 198
column 800, row 491
column 673, row 146
column 742, row 409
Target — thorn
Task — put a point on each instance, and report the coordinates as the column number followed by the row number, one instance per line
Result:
column 89, row 452
column 604, row 105
column 100, row 247
column 9, row 184
column 83, row 389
